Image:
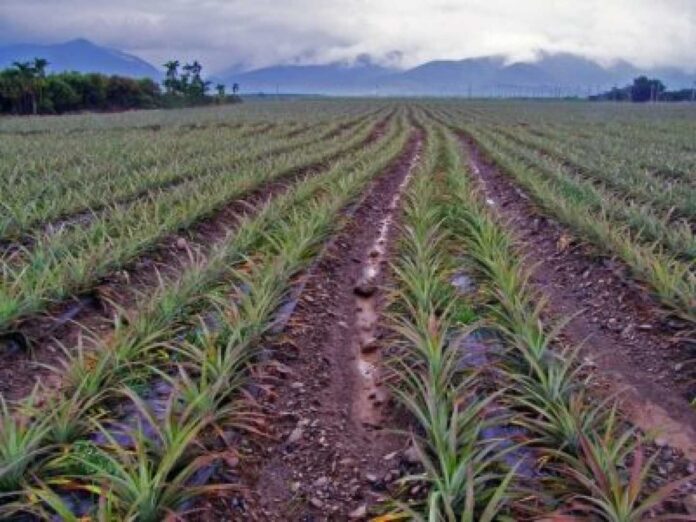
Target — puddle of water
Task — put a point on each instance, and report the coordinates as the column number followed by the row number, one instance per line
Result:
column 371, row 394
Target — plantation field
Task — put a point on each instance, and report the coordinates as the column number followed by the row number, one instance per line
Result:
column 344, row 309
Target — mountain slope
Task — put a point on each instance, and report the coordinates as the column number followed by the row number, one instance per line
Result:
column 550, row 75
column 335, row 78
column 80, row 55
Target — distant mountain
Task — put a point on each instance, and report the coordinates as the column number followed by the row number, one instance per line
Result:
column 334, row 78
column 550, row 75
column 80, row 55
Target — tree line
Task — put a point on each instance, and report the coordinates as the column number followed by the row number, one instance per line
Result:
column 26, row 88
column 644, row 89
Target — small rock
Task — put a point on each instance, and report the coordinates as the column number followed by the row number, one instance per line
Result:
column 181, row 244
column 295, row 435
column 690, row 503
column 645, row 327
column 411, row 455
column 359, row 512
column 390, row 456
column 365, row 290
column 660, row 442
column 564, row 242
column 295, row 487
column 371, row 477
column 232, row 461
column 315, row 502
column 678, row 367
column 321, row 482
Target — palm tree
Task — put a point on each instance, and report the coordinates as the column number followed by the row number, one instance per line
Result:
column 27, row 74
column 171, row 76
column 40, row 65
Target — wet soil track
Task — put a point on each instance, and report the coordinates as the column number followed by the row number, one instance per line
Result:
column 626, row 337
column 36, row 339
column 326, row 462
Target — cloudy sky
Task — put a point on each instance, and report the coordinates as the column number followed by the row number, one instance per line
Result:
column 256, row 33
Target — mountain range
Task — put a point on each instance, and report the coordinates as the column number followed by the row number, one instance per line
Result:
column 80, row 55
column 561, row 74
column 558, row 74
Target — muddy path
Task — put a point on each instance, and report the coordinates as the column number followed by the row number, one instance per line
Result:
column 333, row 455
column 627, row 339
column 38, row 339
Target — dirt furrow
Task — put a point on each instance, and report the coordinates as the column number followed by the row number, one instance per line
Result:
column 634, row 348
column 333, row 456
column 38, row 339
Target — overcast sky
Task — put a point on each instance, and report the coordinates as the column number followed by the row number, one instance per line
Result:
column 256, row 33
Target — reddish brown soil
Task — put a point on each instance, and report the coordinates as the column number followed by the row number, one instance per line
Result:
column 92, row 314
column 634, row 348
column 328, row 461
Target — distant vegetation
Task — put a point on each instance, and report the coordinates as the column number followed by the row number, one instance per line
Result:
column 644, row 89
column 25, row 88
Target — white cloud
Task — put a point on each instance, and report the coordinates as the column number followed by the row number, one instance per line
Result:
column 262, row 32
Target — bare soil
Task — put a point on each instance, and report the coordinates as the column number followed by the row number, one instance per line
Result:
column 38, row 339
column 333, row 455
column 633, row 346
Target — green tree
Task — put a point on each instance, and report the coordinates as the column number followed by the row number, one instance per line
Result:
column 95, row 91
column 194, row 86
column 645, row 89
column 26, row 75
column 171, row 79
column 62, row 96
